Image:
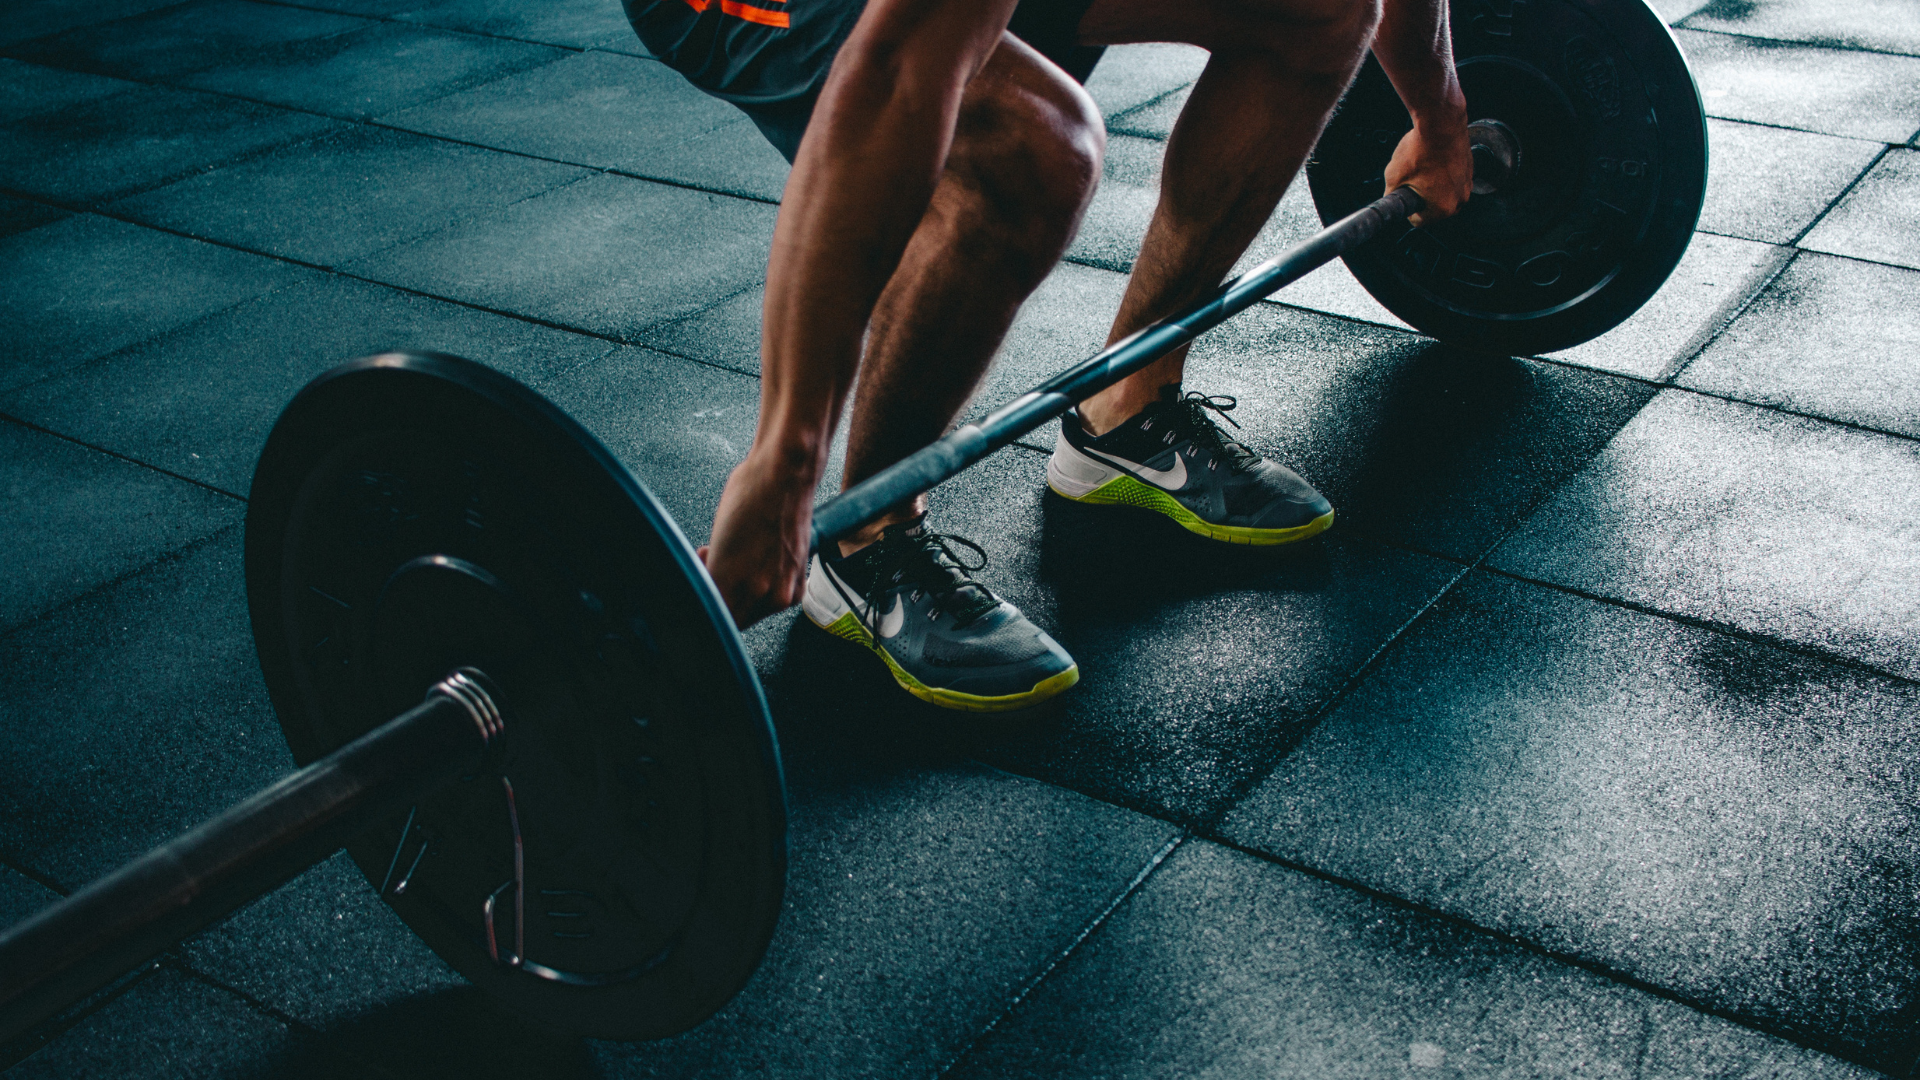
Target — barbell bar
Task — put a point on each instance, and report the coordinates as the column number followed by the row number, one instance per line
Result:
column 586, row 815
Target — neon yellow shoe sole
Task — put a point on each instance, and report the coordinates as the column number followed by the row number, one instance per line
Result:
column 1124, row 490
column 850, row 628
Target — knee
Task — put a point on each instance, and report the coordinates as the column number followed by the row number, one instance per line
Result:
column 1031, row 154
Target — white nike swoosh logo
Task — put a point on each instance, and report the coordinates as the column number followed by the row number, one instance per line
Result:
column 892, row 621
column 1172, row 479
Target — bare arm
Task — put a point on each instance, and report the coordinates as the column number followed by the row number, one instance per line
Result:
column 864, row 176
column 1414, row 46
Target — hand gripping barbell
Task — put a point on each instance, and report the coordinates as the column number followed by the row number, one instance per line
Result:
column 585, row 815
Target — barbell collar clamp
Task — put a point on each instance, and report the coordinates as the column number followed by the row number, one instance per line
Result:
column 66, row 951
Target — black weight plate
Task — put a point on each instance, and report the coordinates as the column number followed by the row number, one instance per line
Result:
column 414, row 513
column 1612, row 171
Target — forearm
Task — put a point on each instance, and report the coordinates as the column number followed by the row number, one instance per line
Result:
column 1414, row 46
column 860, row 185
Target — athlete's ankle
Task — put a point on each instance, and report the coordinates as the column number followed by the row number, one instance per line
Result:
column 1119, row 404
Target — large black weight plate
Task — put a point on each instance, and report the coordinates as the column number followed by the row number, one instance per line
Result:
column 1613, row 169
column 414, row 513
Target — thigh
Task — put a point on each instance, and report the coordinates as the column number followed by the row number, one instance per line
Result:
column 1282, row 26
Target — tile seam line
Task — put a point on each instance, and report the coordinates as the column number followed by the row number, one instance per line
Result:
column 1573, row 960
column 1094, row 926
column 1834, row 203
column 350, row 275
column 1770, row 125
column 376, row 123
column 19, row 866
column 9, row 418
column 396, row 21
column 177, row 961
column 178, row 554
column 1787, row 645
column 1148, row 104
column 1791, row 42
column 48, row 1031
column 1367, row 667
column 1707, row 338
column 1205, row 823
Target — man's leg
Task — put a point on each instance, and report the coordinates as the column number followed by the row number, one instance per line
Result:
column 1025, row 160
column 1023, row 165
column 1277, row 70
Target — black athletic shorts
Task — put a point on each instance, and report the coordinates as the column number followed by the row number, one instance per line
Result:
column 769, row 57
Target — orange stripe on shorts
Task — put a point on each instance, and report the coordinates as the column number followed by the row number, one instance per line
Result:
column 745, row 11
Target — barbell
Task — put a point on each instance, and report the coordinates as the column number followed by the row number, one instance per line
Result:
column 519, row 703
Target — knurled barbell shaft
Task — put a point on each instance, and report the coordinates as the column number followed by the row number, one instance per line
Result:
column 68, row 950
column 949, row 456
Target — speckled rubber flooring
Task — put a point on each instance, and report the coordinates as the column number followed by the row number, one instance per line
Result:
column 1586, row 744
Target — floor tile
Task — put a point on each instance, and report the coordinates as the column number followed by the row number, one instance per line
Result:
column 1713, row 279
column 727, row 334
column 1129, row 76
column 76, row 519
column 27, row 89
column 188, row 37
column 84, row 286
column 1771, row 183
column 347, row 195
column 1878, row 219
column 100, row 150
column 577, row 24
column 918, row 904
column 1414, row 442
column 21, row 896
column 19, row 215
column 608, row 255
column 373, row 70
column 36, row 18
column 1122, row 206
column 600, row 109
column 680, row 426
column 200, row 402
column 173, row 1025
column 1184, row 697
column 1224, row 965
column 1153, row 120
column 1722, row 819
column 322, row 949
column 1831, row 337
column 1786, row 527
column 1857, row 94
column 1866, row 24
column 733, row 158
column 86, row 789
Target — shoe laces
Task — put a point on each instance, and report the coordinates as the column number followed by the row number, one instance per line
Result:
column 927, row 561
column 1194, row 407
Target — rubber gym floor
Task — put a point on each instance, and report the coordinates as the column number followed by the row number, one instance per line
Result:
column 1584, row 745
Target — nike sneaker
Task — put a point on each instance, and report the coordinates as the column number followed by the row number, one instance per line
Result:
column 1173, row 458
column 947, row 639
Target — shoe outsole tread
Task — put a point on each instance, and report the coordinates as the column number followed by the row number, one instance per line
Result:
column 1124, row 490
column 849, row 627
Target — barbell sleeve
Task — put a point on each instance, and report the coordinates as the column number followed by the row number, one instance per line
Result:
column 73, row 947
column 950, row 455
